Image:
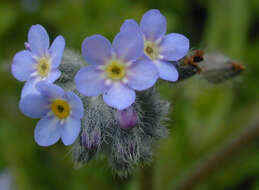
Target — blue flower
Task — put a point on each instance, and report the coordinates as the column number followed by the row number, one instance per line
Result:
column 158, row 47
column 38, row 62
column 114, row 71
column 60, row 114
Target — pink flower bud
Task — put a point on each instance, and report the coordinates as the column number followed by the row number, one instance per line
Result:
column 126, row 118
column 91, row 141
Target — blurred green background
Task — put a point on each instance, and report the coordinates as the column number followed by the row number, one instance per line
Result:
column 202, row 117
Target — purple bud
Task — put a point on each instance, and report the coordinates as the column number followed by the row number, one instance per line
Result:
column 91, row 140
column 126, row 118
column 127, row 151
column 131, row 148
column 27, row 46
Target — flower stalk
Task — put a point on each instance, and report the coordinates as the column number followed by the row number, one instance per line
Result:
column 218, row 158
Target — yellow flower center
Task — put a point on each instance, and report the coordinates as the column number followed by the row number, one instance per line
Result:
column 60, row 108
column 151, row 50
column 115, row 70
column 43, row 67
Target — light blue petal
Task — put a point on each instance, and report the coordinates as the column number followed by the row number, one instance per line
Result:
column 30, row 87
column 23, row 65
column 34, row 106
column 56, row 51
column 119, row 96
column 130, row 25
column 153, row 25
column 96, row 49
column 75, row 104
column 128, row 45
column 174, row 47
column 142, row 75
column 90, row 81
column 70, row 130
column 47, row 131
column 38, row 39
column 167, row 71
column 50, row 91
column 53, row 75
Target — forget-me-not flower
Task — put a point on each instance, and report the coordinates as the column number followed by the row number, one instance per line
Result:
column 158, row 47
column 114, row 71
column 39, row 61
column 60, row 114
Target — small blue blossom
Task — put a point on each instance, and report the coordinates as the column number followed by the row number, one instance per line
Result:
column 60, row 114
column 114, row 71
column 158, row 47
column 38, row 62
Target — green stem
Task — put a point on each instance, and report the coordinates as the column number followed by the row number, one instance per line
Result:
column 146, row 177
column 217, row 158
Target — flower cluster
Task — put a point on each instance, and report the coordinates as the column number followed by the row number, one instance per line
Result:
column 134, row 61
column 38, row 66
column 64, row 91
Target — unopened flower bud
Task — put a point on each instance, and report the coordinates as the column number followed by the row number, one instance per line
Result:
column 127, row 118
column 91, row 141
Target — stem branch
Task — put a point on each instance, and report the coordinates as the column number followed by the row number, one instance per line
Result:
column 216, row 159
